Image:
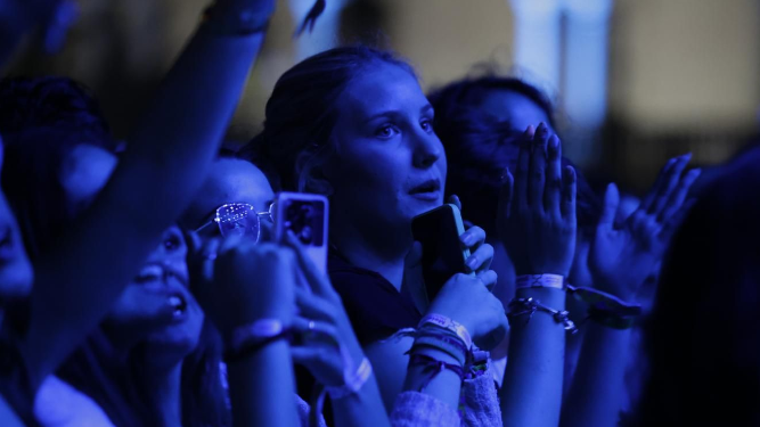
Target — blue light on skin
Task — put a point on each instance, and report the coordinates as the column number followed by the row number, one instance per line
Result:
column 16, row 274
column 389, row 166
column 229, row 181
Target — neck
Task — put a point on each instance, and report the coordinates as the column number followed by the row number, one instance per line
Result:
column 377, row 250
column 164, row 388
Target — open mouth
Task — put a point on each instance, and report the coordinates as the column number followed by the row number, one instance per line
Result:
column 427, row 187
column 178, row 304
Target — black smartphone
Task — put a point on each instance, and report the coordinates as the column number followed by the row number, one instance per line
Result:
column 443, row 255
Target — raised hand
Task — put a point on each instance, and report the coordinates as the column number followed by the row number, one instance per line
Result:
column 621, row 258
column 536, row 218
column 243, row 281
column 328, row 347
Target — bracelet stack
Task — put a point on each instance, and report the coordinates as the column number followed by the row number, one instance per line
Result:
column 603, row 308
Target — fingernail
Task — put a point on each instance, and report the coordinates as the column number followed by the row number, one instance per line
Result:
column 467, row 239
column 472, row 263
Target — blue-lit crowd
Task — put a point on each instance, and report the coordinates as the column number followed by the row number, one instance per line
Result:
column 153, row 280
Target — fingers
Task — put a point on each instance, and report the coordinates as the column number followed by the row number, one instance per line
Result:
column 489, row 278
column 318, row 283
column 481, row 259
column 312, row 307
column 674, row 221
column 669, row 184
column 648, row 200
column 609, row 210
column 676, row 200
column 229, row 242
column 552, row 193
column 523, row 168
column 505, row 195
column 454, row 200
column 537, row 176
column 473, row 237
column 568, row 193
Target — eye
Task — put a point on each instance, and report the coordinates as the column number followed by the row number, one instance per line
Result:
column 387, row 131
column 427, row 125
column 172, row 242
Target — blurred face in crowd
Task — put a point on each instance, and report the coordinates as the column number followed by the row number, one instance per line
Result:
column 228, row 181
column 514, row 108
column 389, row 164
column 158, row 306
column 15, row 268
column 160, row 287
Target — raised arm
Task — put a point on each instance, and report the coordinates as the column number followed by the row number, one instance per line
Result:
column 538, row 227
column 620, row 260
column 165, row 163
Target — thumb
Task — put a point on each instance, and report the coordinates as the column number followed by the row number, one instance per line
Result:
column 609, row 210
column 454, row 200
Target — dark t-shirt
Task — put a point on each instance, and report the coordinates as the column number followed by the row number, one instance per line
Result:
column 376, row 309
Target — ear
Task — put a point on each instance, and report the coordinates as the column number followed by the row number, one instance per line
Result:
column 311, row 173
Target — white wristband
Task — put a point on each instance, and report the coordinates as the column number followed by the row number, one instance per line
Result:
column 354, row 383
column 527, row 281
column 444, row 322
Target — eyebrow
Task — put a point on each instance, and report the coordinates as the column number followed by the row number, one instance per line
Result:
column 394, row 113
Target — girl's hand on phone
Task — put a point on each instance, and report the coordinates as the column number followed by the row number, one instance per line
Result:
column 536, row 215
column 243, row 281
column 481, row 253
column 322, row 323
column 466, row 300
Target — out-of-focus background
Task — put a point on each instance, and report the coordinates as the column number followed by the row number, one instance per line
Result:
column 637, row 81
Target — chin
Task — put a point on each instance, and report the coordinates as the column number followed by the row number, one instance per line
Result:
column 16, row 280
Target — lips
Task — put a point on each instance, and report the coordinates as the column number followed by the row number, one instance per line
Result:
column 429, row 186
column 159, row 279
column 178, row 304
column 428, row 190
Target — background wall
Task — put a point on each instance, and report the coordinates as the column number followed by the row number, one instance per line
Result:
column 679, row 74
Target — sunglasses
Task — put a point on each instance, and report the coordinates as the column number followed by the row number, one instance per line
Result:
column 239, row 219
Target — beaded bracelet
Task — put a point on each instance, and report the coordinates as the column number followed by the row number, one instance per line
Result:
column 531, row 305
column 435, row 366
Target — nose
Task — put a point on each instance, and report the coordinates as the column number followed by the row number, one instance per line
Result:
column 427, row 150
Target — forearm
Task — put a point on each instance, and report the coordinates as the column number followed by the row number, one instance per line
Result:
column 598, row 389
column 78, row 280
column 532, row 390
column 262, row 389
column 445, row 386
column 364, row 408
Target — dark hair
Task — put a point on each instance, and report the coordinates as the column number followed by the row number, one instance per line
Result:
column 301, row 113
column 704, row 334
column 479, row 147
column 28, row 103
column 30, row 179
column 470, row 92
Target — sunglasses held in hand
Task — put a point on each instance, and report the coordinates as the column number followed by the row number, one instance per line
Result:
column 239, row 218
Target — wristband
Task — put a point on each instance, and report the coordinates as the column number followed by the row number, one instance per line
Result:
column 443, row 341
column 528, row 281
column 529, row 306
column 435, row 366
column 444, row 322
column 252, row 337
column 242, row 22
column 354, row 383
